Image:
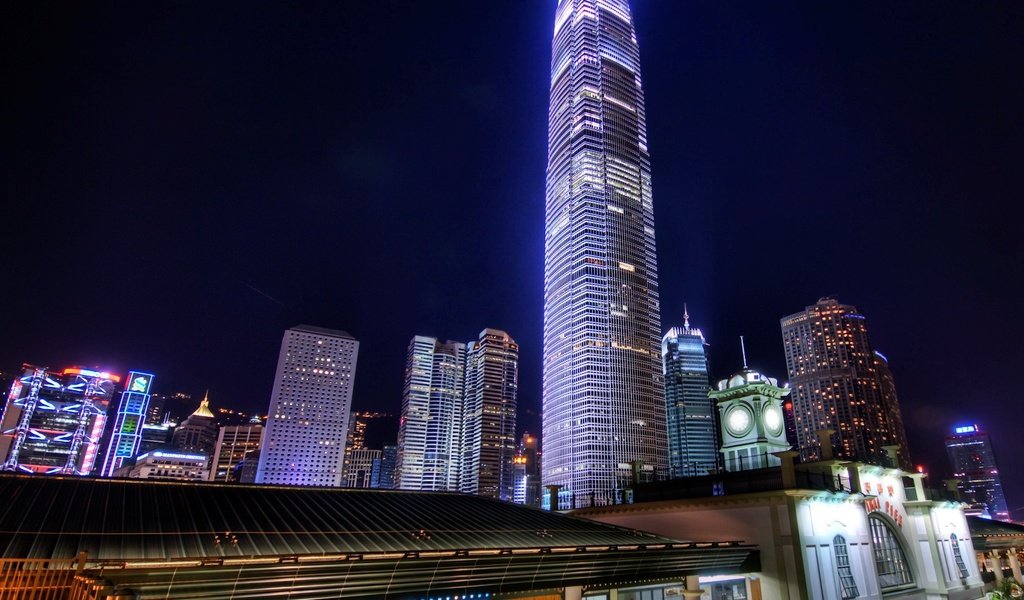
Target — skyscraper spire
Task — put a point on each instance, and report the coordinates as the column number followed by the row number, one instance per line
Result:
column 603, row 396
column 686, row 317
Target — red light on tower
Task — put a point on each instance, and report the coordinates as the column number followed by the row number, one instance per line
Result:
column 920, row 468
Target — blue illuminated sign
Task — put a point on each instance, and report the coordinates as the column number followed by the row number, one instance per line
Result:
column 966, row 429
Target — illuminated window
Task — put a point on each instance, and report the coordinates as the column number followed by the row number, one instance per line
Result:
column 846, row 580
column 890, row 561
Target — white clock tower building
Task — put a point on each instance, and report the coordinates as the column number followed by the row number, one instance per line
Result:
column 750, row 413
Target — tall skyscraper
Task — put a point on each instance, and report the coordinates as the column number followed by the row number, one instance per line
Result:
column 429, row 429
column 489, row 415
column 53, row 421
column 126, row 437
column 974, row 463
column 840, row 383
column 304, row 440
column 690, row 413
column 603, row 394
column 457, row 429
column 527, row 472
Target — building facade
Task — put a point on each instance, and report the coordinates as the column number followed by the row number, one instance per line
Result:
column 973, row 463
column 489, row 415
column 198, row 432
column 527, row 472
column 126, row 436
column 603, row 394
column 169, row 465
column 690, row 413
column 840, row 383
column 307, row 422
column 457, row 427
column 429, row 428
column 53, row 421
column 362, row 469
column 235, row 443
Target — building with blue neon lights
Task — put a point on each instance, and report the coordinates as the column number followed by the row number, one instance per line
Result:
column 603, row 394
column 126, row 436
column 973, row 462
column 53, row 421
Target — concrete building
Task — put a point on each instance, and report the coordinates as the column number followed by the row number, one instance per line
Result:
column 307, row 422
column 362, row 469
column 198, row 432
column 234, row 444
column 170, row 465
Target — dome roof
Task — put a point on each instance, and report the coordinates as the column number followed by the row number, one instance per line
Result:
column 743, row 377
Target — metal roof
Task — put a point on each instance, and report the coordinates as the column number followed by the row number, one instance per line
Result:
column 58, row 517
column 989, row 534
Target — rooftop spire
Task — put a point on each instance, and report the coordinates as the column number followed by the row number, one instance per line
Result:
column 743, row 350
column 204, row 407
column 686, row 317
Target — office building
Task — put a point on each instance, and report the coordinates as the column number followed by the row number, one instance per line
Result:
column 973, row 462
column 429, row 430
column 234, row 444
column 388, row 478
column 169, row 465
column 690, row 413
column 489, row 415
column 363, row 468
column 198, row 432
column 527, row 472
column 126, row 436
column 603, row 394
column 840, row 383
column 307, row 422
column 53, row 420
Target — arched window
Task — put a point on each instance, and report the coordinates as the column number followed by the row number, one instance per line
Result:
column 955, row 543
column 847, row 583
column 890, row 561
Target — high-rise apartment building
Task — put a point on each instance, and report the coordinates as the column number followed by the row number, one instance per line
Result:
column 304, row 440
column 53, row 420
column 840, row 383
column 126, row 436
column 430, row 427
column 457, row 430
column 603, row 394
column 234, row 444
column 693, row 438
column 974, row 463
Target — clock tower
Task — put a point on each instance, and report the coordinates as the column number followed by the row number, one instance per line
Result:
column 750, row 414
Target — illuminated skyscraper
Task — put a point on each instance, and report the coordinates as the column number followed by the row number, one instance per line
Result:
column 489, row 415
column 198, row 432
column 235, row 443
column 974, row 464
column 840, row 383
column 458, row 424
column 304, row 439
column 429, row 430
column 53, row 421
column 126, row 437
column 603, row 395
column 692, row 428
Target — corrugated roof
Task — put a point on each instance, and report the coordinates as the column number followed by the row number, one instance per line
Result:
column 58, row 517
column 989, row 534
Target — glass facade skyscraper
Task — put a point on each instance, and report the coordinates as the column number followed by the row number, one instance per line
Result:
column 603, row 394
column 692, row 428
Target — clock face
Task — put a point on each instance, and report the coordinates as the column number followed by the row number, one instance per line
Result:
column 773, row 419
column 738, row 420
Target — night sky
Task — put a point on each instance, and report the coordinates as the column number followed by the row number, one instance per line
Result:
column 182, row 181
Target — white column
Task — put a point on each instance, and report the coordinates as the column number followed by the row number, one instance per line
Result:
column 1015, row 564
column 996, row 567
column 692, row 591
column 573, row 592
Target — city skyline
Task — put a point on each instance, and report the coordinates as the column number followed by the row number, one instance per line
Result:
column 880, row 142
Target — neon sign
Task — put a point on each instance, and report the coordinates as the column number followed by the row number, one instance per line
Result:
column 966, row 429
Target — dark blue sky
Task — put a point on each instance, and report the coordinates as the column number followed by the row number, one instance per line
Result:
column 183, row 180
